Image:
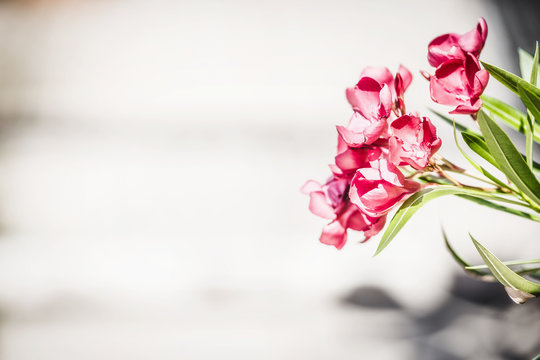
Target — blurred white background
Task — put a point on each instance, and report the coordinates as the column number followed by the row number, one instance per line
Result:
column 151, row 154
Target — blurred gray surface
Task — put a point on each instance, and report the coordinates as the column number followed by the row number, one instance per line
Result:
column 150, row 158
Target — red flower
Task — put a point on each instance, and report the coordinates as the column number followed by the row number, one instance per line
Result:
column 414, row 140
column 331, row 201
column 459, row 82
column 376, row 190
column 453, row 46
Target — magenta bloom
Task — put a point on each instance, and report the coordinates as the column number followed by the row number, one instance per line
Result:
column 376, row 190
column 459, row 82
column 414, row 140
column 362, row 131
column 351, row 159
column 370, row 98
column 330, row 201
column 372, row 104
column 397, row 85
column 453, row 46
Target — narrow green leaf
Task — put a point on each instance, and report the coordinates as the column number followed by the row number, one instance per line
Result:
column 529, row 133
column 477, row 144
column 419, row 199
column 534, row 67
column 533, row 109
column 508, row 157
column 508, row 263
column 530, row 95
column 450, row 121
column 526, row 62
column 510, row 115
column 537, row 357
column 502, row 208
column 479, row 271
column 434, row 180
column 517, row 287
column 504, row 77
column 466, row 266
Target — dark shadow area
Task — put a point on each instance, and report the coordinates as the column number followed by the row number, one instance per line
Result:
column 522, row 21
column 371, row 297
column 478, row 316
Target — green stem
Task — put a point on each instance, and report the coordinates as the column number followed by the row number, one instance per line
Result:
column 507, row 263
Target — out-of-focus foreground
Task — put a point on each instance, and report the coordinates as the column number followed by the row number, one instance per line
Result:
column 151, row 154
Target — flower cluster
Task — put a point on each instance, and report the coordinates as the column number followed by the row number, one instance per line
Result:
column 381, row 136
column 458, row 80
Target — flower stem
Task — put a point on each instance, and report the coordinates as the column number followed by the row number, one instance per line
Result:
column 444, row 174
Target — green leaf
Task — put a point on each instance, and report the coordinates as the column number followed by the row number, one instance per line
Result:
column 526, row 66
column 510, row 115
column 419, row 199
column 537, row 357
column 508, row 263
column 466, row 266
column 502, row 208
column 529, row 133
column 507, row 113
column 434, row 180
column 534, row 68
column 479, row 271
column 508, row 157
column 530, row 95
column 504, row 77
column 477, row 144
column 517, row 287
column 534, row 111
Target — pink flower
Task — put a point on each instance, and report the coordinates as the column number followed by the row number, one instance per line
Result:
column 414, row 140
column 453, row 46
column 372, row 104
column 351, row 159
column 326, row 200
column 362, row 131
column 335, row 233
column 397, row 85
column 459, row 82
column 330, row 201
column 370, row 98
column 376, row 190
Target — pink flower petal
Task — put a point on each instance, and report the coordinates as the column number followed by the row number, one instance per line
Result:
column 334, row 234
column 310, row 186
column 379, row 73
column 319, row 206
column 406, row 76
column 444, row 48
column 473, row 41
column 366, row 99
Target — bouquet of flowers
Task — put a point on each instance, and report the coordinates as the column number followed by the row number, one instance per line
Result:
column 387, row 155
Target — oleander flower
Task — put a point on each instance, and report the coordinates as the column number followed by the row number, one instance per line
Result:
column 454, row 46
column 361, row 131
column 370, row 98
column 397, row 84
column 459, row 82
column 331, row 201
column 372, row 104
column 335, row 233
column 414, row 140
column 350, row 159
column 377, row 189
